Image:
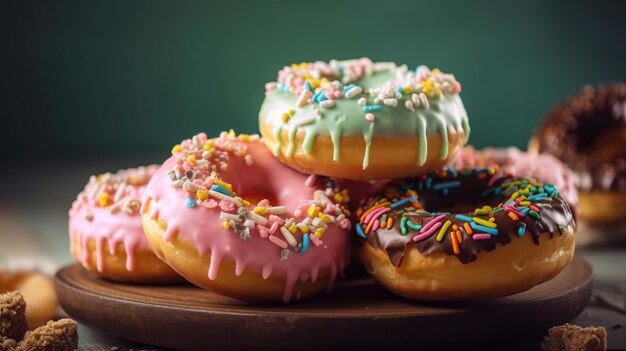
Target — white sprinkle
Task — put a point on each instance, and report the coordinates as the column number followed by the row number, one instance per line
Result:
column 341, row 217
column 248, row 160
column 424, row 100
column 248, row 223
column 120, row 192
column 362, row 101
column 319, row 223
column 96, row 191
column 256, row 218
column 409, row 105
column 276, row 210
column 354, row 91
column 307, row 221
column 391, row 102
column 287, row 235
column 202, row 162
column 327, row 103
column 230, row 217
column 416, row 100
column 178, row 183
column 304, row 96
column 191, row 186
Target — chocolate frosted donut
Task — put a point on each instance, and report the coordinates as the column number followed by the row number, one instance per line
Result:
column 441, row 236
column 588, row 133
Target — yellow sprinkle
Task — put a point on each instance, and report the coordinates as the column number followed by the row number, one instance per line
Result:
column 228, row 186
column 285, row 117
column 324, row 217
column 525, row 203
column 484, row 222
column 291, row 112
column 103, row 200
column 492, row 219
column 245, row 203
column 303, row 228
column 443, row 230
column 438, row 92
column 436, row 71
column 191, row 159
column 260, row 210
column 313, row 211
column 319, row 232
column 231, row 132
column 176, row 149
column 202, row 195
column 226, row 224
column 244, row 137
column 292, row 228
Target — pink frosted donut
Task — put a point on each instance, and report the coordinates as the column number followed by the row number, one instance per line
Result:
column 106, row 235
column 229, row 217
column 542, row 167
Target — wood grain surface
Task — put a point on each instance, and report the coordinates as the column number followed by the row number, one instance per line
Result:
column 357, row 314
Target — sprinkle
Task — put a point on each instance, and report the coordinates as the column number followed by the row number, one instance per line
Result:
column 403, row 228
column 305, row 243
column 370, row 108
column 408, row 105
column 513, row 216
column 287, row 235
column 468, row 229
column 362, row 101
column 455, row 244
column 464, row 218
column 221, row 196
column 484, row 222
column 310, row 181
column 424, row 100
column 359, row 231
column 427, row 233
column 257, row 219
column 278, row 241
column 260, row 210
column 226, row 224
column 491, row 231
column 354, row 91
column 433, row 222
column 403, row 201
column 443, row 231
column 390, row 223
column 481, row 236
column 370, row 117
column 305, row 95
column 190, row 203
column 391, row 102
column 327, row 104
column 414, row 226
column 220, row 189
column 446, row 185
column 230, row 217
column 521, row 230
column 319, row 232
column 534, row 214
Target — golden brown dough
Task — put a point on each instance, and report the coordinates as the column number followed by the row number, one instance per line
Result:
column 570, row 337
column 58, row 335
column 12, row 316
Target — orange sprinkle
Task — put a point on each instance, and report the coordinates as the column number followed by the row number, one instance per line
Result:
column 389, row 223
column 362, row 219
column 455, row 227
column 359, row 211
column 513, row 216
column 455, row 244
column 482, row 176
column 468, row 229
column 459, row 237
column 369, row 226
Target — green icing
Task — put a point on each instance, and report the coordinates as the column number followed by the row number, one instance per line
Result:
column 348, row 118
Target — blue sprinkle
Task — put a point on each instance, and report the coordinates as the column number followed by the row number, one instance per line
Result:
column 322, row 97
column 523, row 210
column 190, row 203
column 446, row 185
column 221, row 189
column 369, row 108
column 512, row 203
column 400, row 90
column 521, row 230
column 429, row 182
column 308, row 86
column 482, row 228
column 305, row 243
column 347, row 89
column 464, row 218
column 453, row 172
column 359, row 231
column 403, row 201
column 498, row 191
column 538, row 196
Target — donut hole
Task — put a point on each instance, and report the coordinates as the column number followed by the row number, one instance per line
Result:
column 255, row 196
column 464, row 199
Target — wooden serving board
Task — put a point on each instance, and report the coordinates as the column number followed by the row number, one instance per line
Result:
column 357, row 314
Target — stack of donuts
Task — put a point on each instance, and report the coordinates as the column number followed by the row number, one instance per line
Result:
column 353, row 155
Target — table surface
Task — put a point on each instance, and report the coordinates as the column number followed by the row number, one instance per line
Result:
column 33, row 226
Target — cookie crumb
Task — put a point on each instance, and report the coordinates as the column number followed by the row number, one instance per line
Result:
column 13, row 323
column 7, row 344
column 570, row 337
column 58, row 335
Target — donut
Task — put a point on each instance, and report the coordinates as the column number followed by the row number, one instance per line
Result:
column 468, row 234
column 541, row 167
column 588, row 133
column 358, row 119
column 106, row 234
column 230, row 218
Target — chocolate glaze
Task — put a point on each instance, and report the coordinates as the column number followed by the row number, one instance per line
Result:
column 573, row 131
column 556, row 216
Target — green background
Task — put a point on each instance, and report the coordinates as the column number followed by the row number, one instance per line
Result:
column 113, row 78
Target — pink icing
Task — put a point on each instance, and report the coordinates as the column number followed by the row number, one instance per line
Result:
column 542, row 167
column 118, row 222
column 265, row 248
